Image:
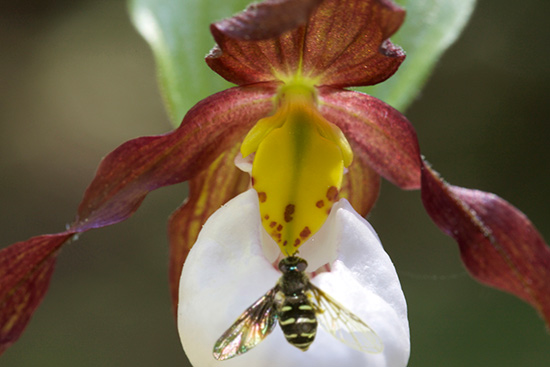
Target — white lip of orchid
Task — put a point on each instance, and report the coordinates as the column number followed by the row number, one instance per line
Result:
column 227, row 270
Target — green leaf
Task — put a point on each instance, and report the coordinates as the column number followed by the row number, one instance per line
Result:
column 178, row 33
column 430, row 27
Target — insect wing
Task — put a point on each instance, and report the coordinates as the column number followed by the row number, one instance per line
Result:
column 343, row 324
column 250, row 328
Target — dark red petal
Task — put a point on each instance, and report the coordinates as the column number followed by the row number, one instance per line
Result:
column 268, row 19
column 207, row 192
column 347, row 42
column 245, row 62
column 141, row 165
column 378, row 133
column 25, row 272
column 498, row 244
column 361, row 185
column 121, row 183
column 343, row 44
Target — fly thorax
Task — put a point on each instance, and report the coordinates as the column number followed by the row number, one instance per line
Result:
column 294, row 283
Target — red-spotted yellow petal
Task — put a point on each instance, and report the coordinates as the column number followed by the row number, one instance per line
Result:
column 297, row 170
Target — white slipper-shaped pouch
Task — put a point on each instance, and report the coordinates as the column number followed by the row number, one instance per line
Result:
column 232, row 265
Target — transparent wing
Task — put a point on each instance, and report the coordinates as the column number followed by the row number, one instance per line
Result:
column 343, row 324
column 250, row 328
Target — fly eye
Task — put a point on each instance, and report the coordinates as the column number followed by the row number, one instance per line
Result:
column 283, row 267
column 302, row 265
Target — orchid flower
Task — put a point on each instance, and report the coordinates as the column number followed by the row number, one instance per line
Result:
column 228, row 269
column 304, row 63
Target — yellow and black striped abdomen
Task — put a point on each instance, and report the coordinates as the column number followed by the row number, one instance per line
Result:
column 298, row 321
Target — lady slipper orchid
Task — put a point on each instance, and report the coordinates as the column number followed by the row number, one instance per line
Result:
column 227, row 270
column 291, row 68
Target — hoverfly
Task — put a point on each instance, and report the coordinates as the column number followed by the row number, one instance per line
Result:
column 298, row 306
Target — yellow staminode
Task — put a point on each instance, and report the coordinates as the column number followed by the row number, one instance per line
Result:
column 298, row 167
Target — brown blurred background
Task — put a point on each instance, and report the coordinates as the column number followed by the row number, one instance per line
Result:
column 76, row 80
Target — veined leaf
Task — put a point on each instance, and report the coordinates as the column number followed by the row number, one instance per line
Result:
column 430, row 27
column 178, row 34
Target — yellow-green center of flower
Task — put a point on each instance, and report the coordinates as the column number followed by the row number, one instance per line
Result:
column 298, row 167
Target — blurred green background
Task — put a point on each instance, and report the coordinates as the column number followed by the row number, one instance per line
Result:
column 76, row 80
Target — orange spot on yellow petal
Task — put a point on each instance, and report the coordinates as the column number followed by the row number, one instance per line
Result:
column 305, row 233
column 332, row 193
column 289, row 210
column 262, row 196
column 277, row 236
